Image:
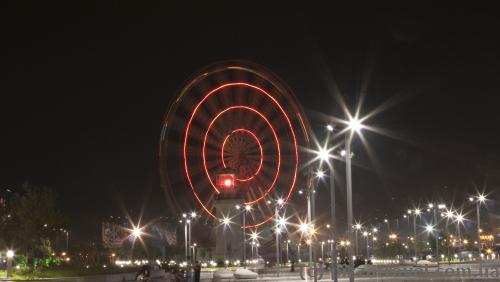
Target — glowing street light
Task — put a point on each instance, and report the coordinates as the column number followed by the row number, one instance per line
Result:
column 429, row 228
column 323, row 154
column 280, row 201
column 136, row 232
column 481, row 198
column 304, row 228
column 282, row 222
column 226, row 221
column 354, row 124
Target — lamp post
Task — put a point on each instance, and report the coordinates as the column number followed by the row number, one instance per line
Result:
column 354, row 126
column 279, row 223
column 225, row 223
column 366, row 234
column 416, row 213
column 322, row 252
column 436, row 223
column 298, row 252
column 10, row 257
column 193, row 217
column 357, row 227
column 186, row 244
column 245, row 210
column 459, row 219
column 287, row 255
column 194, row 251
column 480, row 199
column 254, row 236
column 333, row 251
column 67, row 240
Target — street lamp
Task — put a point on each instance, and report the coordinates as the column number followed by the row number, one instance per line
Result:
column 416, row 213
column 298, row 252
column 357, row 227
column 429, row 228
column 366, row 234
column 459, row 219
column 280, row 222
column 194, row 251
column 354, row 125
column 324, row 156
column 10, row 257
column 254, row 236
column 481, row 198
column 287, row 255
column 322, row 252
column 136, row 232
column 247, row 208
column 225, row 223
column 436, row 223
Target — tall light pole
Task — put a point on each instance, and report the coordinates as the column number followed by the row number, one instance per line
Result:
column 436, row 223
column 194, row 251
column 366, row 234
column 279, row 223
column 416, row 213
column 193, row 216
column 333, row 251
column 298, row 252
column 10, row 257
column 480, row 200
column 322, row 251
column 287, row 255
column 246, row 209
column 357, row 227
column 186, row 244
column 225, row 223
column 254, row 236
column 354, row 126
column 459, row 219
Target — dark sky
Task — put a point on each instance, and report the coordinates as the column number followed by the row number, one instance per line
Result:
column 84, row 90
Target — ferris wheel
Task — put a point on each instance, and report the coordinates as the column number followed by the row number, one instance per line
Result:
column 234, row 116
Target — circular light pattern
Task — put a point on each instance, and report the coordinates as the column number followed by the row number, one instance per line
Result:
column 239, row 107
column 261, row 156
column 239, row 119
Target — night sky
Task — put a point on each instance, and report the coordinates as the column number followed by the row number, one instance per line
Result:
column 85, row 88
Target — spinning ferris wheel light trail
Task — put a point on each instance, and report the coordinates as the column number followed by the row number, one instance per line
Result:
column 236, row 117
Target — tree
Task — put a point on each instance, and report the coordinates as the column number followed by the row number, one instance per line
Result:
column 29, row 220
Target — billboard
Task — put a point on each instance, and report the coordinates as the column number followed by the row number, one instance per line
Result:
column 164, row 232
column 113, row 235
